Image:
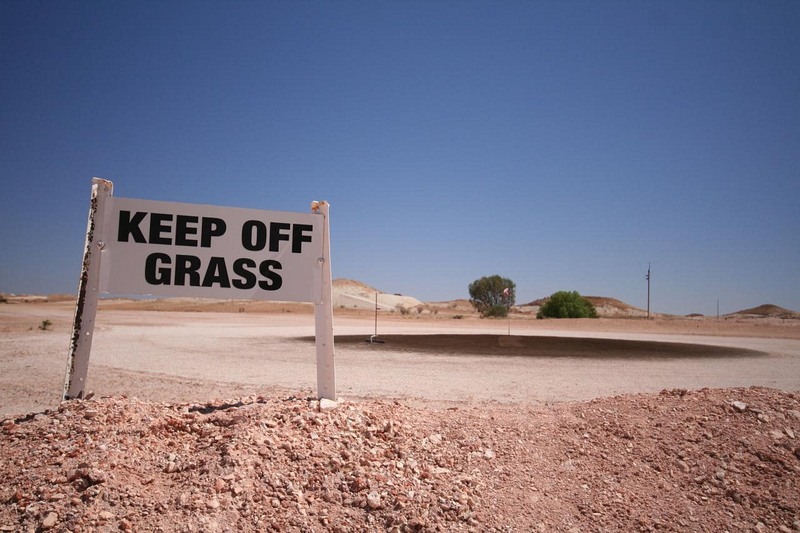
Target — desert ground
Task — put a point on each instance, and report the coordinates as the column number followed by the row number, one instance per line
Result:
column 148, row 350
column 204, row 418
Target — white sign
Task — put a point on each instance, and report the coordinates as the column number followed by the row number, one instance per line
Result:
column 177, row 249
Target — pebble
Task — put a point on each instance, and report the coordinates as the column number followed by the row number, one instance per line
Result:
column 49, row 520
column 739, row 406
column 374, row 500
column 327, row 405
column 776, row 434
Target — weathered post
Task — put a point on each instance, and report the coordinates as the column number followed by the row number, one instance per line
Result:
column 323, row 311
column 88, row 292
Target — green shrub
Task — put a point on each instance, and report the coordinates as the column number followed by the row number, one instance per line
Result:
column 566, row 304
column 492, row 295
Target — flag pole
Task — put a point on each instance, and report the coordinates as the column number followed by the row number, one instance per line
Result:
column 507, row 296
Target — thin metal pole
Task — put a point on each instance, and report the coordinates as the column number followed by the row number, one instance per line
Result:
column 648, row 291
column 376, row 314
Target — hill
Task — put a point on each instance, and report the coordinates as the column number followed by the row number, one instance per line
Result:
column 767, row 311
column 351, row 294
column 606, row 307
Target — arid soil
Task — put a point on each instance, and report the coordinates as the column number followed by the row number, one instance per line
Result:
column 208, row 441
column 708, row 460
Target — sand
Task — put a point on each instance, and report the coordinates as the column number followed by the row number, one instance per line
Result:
column 196, row 356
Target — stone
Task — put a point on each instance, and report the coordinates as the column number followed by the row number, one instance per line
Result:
column 374, row 500
column 326, row 404
column 739, row 406
column 776, row 434
column 49, row 520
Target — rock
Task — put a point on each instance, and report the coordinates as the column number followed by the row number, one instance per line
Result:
column 682, row 465
column 49, row 520
column 374, row 500
column 105, row 515
column 789, row 432
column 776, row 434
column 739, row 406
column 326, row 404
column 489, row 454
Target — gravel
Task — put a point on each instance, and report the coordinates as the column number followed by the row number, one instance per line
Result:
column 674, row 461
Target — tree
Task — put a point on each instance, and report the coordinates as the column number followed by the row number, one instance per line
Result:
column 492, row 295
column 566, row 304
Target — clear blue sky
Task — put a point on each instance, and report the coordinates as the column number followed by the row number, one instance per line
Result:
column 561, row 144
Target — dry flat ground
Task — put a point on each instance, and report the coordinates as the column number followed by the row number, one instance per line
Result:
column 195, row 356
column 205, row 421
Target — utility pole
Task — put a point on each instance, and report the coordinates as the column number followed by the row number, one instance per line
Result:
column 647, row 277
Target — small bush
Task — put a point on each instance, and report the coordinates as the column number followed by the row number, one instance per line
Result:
column 566, row 304
column 45, row 325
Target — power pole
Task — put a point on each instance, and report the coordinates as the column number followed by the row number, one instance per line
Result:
column 647, row 277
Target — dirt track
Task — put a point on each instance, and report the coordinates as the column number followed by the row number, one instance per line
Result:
column 191, row 356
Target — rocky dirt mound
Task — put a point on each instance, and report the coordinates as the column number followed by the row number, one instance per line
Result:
column 710, row 460
column 766, row 310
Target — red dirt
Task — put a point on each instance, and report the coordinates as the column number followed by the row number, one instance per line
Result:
column 711, row 460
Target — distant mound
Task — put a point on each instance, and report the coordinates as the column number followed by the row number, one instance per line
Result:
column 767, row 310
column 606, row 307
column 351, row 294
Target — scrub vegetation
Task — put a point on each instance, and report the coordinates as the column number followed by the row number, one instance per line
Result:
column 492, row 296
column 567, row 304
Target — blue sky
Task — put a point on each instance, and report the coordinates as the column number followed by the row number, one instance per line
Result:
column 561, row 144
